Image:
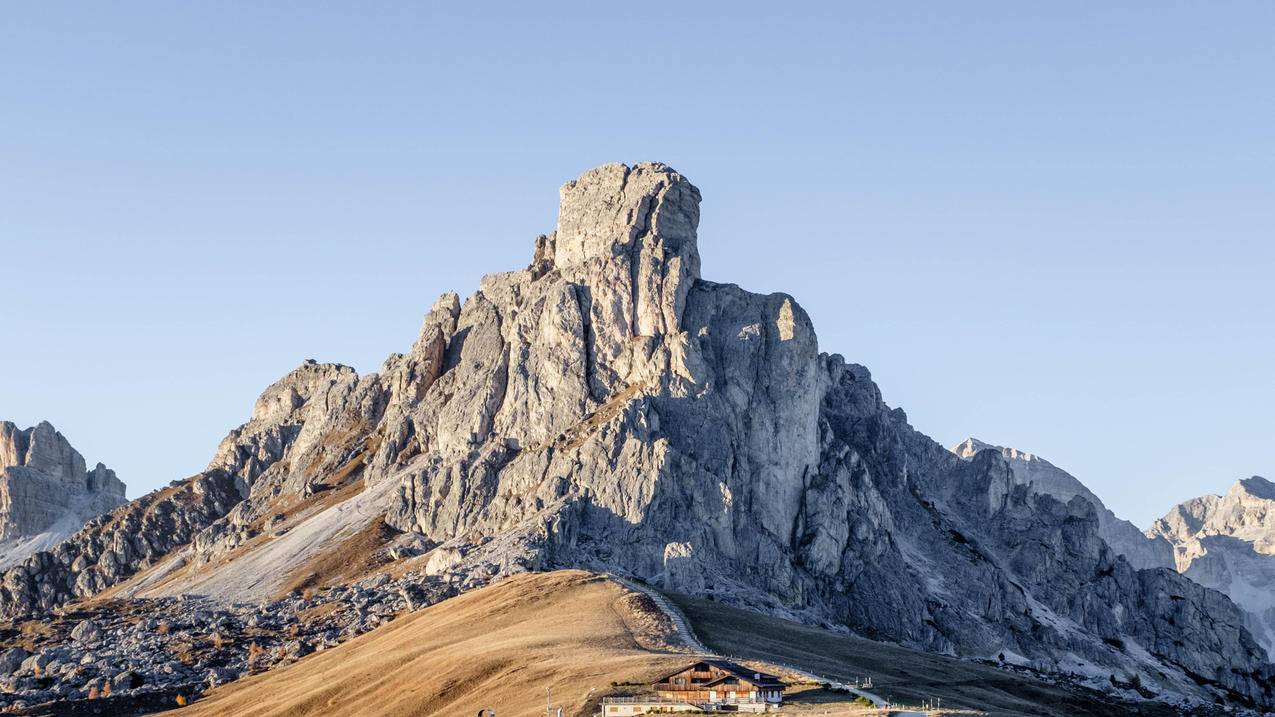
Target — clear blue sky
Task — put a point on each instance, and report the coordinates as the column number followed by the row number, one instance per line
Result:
column 1046, row 225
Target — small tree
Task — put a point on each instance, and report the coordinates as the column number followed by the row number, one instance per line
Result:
column 254, row 654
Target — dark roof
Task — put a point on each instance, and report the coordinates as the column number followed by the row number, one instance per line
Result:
column 755, row 677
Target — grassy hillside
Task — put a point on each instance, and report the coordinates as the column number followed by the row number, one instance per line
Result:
column 899, row 674
column 500, row 646
column 577, row 633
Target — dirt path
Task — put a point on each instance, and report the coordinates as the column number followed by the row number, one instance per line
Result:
column 683, row 627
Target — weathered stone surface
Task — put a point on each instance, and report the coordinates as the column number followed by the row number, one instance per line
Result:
column 184, row 644
column 46, row 491
column 694, row 435
column 11, row 659
column 112, row 547
column 1227, row 543
column 1042, row 476
column 86, row 632
column 608, row 408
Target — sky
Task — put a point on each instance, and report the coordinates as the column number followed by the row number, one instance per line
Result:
column 1046, row 225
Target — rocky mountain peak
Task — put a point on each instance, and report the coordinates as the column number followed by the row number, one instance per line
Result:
column 1227, row 542
column 40, row 448
column 1041, row 476
column 1256, row 487
column 46, row 491
column 615, row 209
column 606, row 408
column 971, row 446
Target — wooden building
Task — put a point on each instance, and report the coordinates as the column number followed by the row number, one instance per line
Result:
column 719, row 682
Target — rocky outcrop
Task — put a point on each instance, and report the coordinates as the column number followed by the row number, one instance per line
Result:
column 1227, row 542
column 1041, row 476
column 609, row 408
column 185, row 645
column 113, row 547
column 46, row 491
column 308, row 432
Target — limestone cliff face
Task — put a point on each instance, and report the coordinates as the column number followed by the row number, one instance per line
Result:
column 612, row 409
column 1041, row 476
column 1227, row 542
column 46, row 491
column 608, row 408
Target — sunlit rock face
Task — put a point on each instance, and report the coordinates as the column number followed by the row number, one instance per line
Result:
column 1227, row 542
column 46, row 491
column 609, row 408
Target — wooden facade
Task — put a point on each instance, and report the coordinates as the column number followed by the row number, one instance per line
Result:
column 721, row 682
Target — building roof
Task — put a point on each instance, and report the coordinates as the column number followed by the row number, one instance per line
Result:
column 754, row 677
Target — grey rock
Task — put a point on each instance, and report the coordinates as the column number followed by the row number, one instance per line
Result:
column 1227, row 542
column 46, row 491
column 11, row 659
column 1041, row 476
column 35, row 663
column 297, row 649
column 127, row 680
column 608, row 408
column 87, row 632
column 113, row 547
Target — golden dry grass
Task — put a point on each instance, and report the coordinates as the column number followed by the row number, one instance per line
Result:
column 898, row 673
column 500, row 646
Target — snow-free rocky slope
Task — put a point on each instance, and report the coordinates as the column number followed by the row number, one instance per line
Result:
column 1222, row 542
column 1041, row 476
column 46, row 490
column 1227, row 542
column 608, row 408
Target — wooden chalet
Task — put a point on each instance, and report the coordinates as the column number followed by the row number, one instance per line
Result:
column 719, row 682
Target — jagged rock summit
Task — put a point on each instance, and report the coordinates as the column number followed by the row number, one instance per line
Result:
column 1227, row 542
column 1222, row 542
column 1040, row 475
column 607, row 408
column 46, row 490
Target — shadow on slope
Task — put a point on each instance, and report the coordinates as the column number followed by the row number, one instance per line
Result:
column 898, row 674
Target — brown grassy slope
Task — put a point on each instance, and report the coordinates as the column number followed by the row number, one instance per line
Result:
column 500, row 647
column 898, row 673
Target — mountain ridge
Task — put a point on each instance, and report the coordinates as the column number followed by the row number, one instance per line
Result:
column 1227, row 542
column 607, row 408
column 47, row 492
column 1123, row 536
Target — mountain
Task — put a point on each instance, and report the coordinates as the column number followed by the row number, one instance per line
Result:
column 46, row 491
column 1227, row 542
column 607, row 408
column 1044, row 477
column 1222, row 542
